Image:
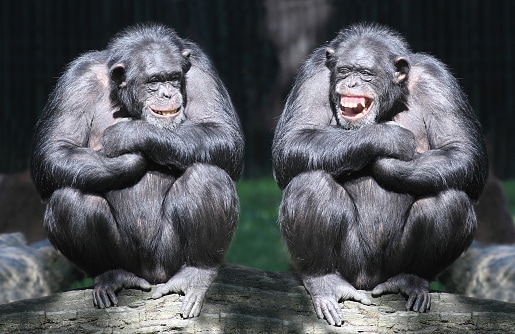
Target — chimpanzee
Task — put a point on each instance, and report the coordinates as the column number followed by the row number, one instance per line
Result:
column 137, row 153
column 379, row 157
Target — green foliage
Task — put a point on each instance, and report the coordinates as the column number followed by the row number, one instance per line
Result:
column 84, row 283
column 257, row 242
column 509, row 191
column 437, row 286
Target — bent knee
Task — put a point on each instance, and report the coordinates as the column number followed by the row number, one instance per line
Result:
column 447, row 201
column 71, row 199
column 309, row 183
column 204, row 183
column 314, row 196
column 206, row 175
column 69, row 206
column 61, row 205
column 454, row 196
column 450, row 210
column 64, row 196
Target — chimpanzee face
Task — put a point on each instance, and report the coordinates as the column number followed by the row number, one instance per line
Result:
column 161, row 93
column 363, row 83
column 156, row 85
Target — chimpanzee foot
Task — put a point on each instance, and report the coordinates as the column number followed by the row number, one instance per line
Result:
column 412, row 286
column 326, row 291
column 106, row 286
column 193, row 283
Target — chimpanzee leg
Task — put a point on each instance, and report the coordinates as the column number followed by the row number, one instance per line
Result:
column 311, row 217
column 437, row 231
column 315, row 214
column 204, row 205
column 82, row 227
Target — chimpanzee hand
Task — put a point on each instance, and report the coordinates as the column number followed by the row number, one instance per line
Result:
column 399, row 142
column 122, row 137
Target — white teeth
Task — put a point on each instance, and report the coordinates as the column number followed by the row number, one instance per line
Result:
column 353, row 104
column 166, row 112
column 350, row 105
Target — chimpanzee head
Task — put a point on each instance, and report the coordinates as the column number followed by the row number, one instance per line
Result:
column 147, row 73
column 369, row 72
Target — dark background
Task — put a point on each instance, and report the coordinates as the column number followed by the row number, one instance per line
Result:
column 256, row 47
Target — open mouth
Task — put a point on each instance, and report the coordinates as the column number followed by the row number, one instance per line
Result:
column 354, row 107
column 166, row 113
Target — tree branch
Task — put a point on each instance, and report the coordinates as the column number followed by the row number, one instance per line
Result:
column 249, row 300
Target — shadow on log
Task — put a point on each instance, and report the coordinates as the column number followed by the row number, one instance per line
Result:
column 246, row 300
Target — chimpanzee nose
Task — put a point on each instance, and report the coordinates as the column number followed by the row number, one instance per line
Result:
column 352, row 83
column 165, row 91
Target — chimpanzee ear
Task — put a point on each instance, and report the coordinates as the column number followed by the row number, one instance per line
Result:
column 186, row 53
column 329, row 52
column 186, row 63
column 329, row 58
column 117, row 74
column 402, row 68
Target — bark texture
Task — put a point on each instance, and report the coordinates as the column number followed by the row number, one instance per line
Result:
column 246, row 300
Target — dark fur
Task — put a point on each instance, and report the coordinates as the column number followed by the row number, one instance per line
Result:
column 387, row 199
column 133, row 200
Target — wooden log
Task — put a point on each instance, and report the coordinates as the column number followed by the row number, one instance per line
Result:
column 246, row 300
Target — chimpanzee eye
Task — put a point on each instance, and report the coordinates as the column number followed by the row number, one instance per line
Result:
column 344, row 71
column 366, row 75
column 153, row 85
column 174, row 79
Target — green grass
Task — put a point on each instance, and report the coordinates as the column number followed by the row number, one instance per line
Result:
column 84, row 283
column 509, row 191
column 257, row 242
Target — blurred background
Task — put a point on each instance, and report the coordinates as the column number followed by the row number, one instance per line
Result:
column 256, row 46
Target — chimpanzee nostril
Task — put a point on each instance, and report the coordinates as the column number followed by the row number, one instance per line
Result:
column 165, row 91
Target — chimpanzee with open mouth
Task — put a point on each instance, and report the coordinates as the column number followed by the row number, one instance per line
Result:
column 379, row 157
